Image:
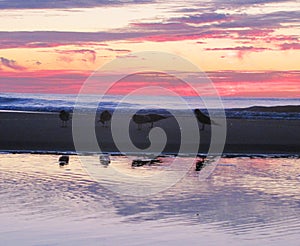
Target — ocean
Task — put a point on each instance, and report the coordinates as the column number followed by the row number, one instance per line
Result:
column 232, row 105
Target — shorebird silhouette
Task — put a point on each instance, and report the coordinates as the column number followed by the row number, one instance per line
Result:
column 105, row 116
column 63, row 160
column 140, row 119
column 155, row 117
column 204, row 119
column 64, row 116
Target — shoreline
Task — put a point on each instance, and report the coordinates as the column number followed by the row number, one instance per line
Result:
column 30, row 132
column 201, row 155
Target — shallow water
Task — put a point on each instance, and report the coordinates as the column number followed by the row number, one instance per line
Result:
column 246, row 201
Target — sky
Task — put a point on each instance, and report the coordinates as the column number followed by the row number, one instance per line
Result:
column 247, row 48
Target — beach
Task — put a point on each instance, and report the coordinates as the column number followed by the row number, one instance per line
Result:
column 150, row 123
column 42, row 132
column 246, row 201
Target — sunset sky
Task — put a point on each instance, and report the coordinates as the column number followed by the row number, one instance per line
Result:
column 247, row 48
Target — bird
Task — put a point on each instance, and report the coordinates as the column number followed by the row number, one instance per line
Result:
column 200, row 164
column 156, row 117
column 105, row 116
column 63, row 160
column 204, row 119
column 147, row 118
column 64, row 116
column 140, row 119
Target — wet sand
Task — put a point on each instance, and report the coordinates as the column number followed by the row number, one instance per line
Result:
column 20, row 131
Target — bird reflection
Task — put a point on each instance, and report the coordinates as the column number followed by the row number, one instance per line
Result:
column 200, row 164
column 63, row 160
column 104, row 159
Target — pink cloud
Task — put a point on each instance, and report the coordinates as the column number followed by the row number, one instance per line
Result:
column 158, row 26
column 204, row 18
column 43, row 39
column 168, row 38
column 242, row 50
column 12, row 64
column 290, row 46
column 228, row 83
column 118, row 50
column 68, row 55
column 42, row 81
column 257, row 83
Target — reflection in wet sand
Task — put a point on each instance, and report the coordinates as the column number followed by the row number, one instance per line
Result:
column 245, row 199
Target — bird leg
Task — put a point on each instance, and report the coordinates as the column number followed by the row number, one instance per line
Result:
column 63, row 124
column 203, row 127
column 139, row 127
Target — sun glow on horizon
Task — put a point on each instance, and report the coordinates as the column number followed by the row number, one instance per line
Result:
column 246, row 49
